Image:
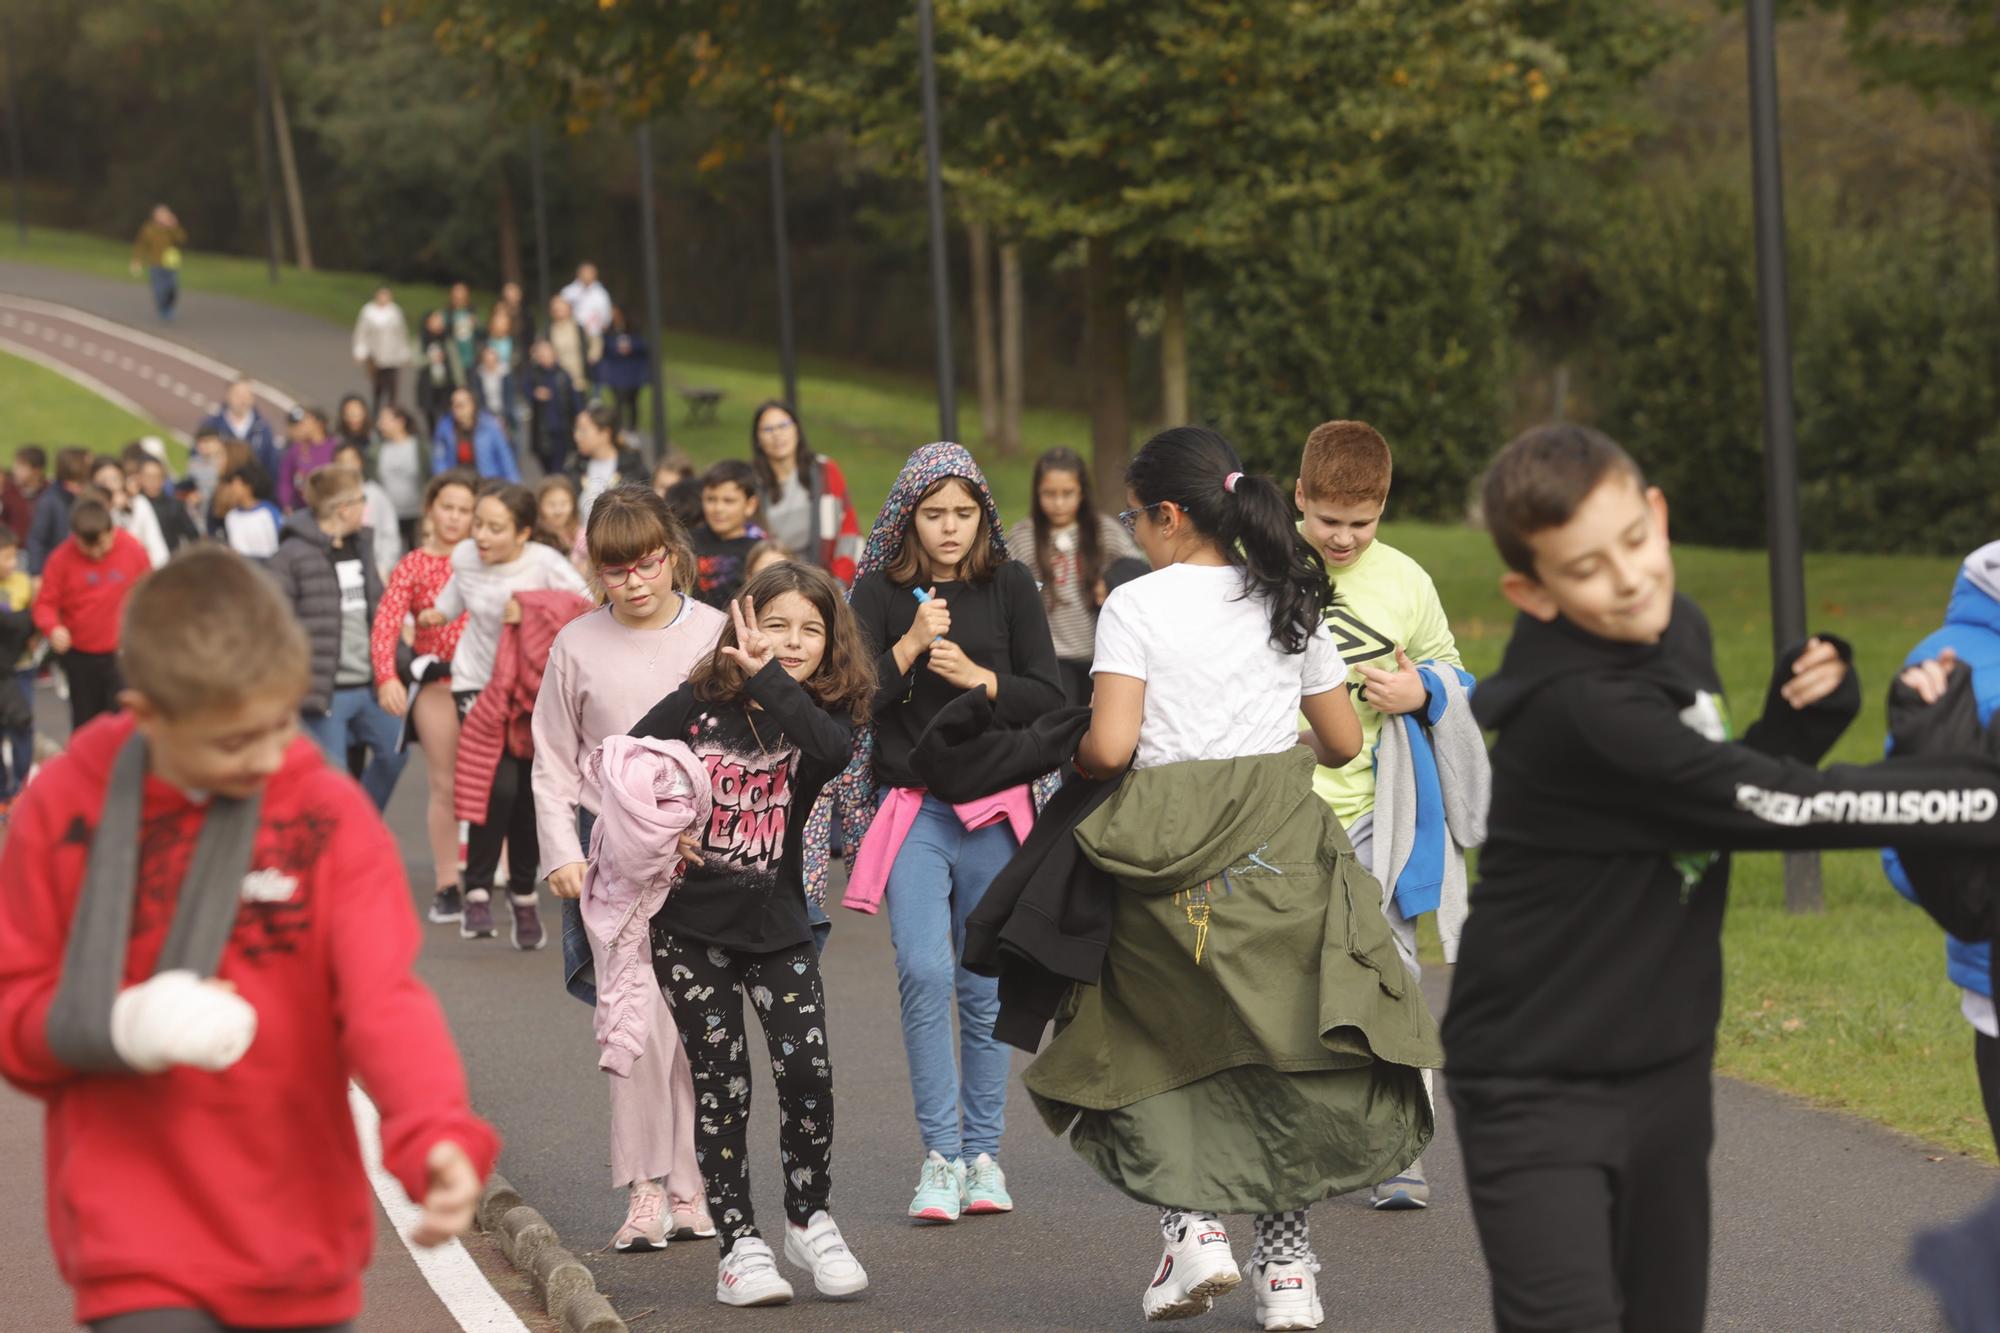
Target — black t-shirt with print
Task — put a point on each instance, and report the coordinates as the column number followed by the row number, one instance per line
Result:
column 719, row 564
column 766, row 766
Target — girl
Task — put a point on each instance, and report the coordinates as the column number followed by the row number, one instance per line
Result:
column 472, row 437
column 605, row 670
column 500, row 337
column 412, row 589
column 556, row 522
column 771, row 713
column 625, row 368
column 1070, row 545
column 762, row 556
column 804, row 504
column 500, row 560
column 108, row 475
column 1196, row 1074
column 439, row 372
column 945, row 610
column 351, row 424
column 403, row 466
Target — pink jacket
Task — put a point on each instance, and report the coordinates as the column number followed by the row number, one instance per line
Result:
column 898, row 811
column 648, row 792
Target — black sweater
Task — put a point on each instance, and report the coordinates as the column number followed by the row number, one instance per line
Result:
column 999, row 624
column 1594, row 942
column 749, row 894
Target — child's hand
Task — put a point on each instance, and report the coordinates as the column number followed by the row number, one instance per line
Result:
column 1394, row 692
column 690, row 846
column 1929, row 679
column 933, row 622
column 753, row 647
column 949, row 661
column 566, row 881
column 511, row 614
column 394, row 697
column 1818, row 673
column 178, row 1018
column 450, row 1199
column 59, row 639
column 430, row 619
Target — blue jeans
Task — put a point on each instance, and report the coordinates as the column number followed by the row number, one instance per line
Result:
column 20, row 754
column 166, row 289
column 356, row 719
column 939, row 876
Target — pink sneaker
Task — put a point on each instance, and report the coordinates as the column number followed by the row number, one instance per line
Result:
column 644, row 1228
column 691, row 1222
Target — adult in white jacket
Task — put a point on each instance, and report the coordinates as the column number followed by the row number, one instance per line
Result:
column 382, row 344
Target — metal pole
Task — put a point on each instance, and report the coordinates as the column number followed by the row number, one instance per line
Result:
column 649, row 241
column 273, row 237
column 1774, row 340
column 541, row 204
column 788, row 347
column 940, row 265
column 14, row 139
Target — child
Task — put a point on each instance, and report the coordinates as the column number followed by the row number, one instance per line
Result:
column 552, row 402
column 268, row 965
column 487, row 572
column 325, row 568
column 107, row 474
column 403, row 468
column 1202, row 669
column 803, row 500
column 17, row 686
column 601, row 462
column 251, row 520
column 471, row 437
column 307, row 449
column 978, row 624
column 440, row 371
column 762, row 556
column 1070, row 545
column 1581, row 1027
column 771, row 714
column 605, row 670
column 79, row 603
column 22, row 486
column 169, row 513
column 494, row 381
column 1386, row 617
column 351, row 424
column 556, row 522
column 378, row 511
column 673, row 468
column 412, row 589
column 625, row 368
column 725, row 535
column 205, row 462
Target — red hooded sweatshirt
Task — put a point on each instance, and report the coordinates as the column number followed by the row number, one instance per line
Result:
column 87, row 596
column 242, row 1192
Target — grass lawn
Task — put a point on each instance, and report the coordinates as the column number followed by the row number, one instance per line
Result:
column 47, row 409
column 1848, row 1009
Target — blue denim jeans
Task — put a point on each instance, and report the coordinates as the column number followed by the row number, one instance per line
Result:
column 356, row 719
column 939, row 876
column 20, row 756
column 166, row 289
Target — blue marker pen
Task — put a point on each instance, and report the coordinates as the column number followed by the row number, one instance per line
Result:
column 922, row 596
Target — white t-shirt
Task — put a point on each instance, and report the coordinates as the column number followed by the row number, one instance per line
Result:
column 484, row 590
column 1216, row 687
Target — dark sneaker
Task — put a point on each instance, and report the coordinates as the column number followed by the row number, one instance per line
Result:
column 527, row 924
column 448, row 905
column 477, row 922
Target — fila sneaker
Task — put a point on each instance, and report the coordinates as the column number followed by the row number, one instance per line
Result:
column 1196, row 1268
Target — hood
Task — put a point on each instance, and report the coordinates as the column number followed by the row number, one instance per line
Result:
column 300, row 525
column 930, row 464
column 1541, row 652
column 1179, row 824
column 1975, row 595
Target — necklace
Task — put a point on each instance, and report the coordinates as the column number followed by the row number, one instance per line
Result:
column 750, row 716
column 659, row 641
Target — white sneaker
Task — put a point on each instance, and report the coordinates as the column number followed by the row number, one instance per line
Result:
column 820, row 1249
column 749, row 1275
column 1195, row 1269
column 1287, row 1293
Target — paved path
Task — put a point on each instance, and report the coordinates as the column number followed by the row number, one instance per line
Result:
column 1813, row 1210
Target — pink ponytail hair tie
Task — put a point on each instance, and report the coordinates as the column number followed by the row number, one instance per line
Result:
column 1229, row 482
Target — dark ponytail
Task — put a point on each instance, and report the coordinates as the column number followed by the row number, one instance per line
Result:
column 1194, row 468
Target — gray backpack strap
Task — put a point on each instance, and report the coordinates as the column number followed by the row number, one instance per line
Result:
column 79, row 1025
column 206, row 912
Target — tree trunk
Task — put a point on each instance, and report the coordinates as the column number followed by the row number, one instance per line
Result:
column 1010, row 349
column 510, row 227
column 1173, row 348
column 288, row 170
column 985, row 358
column 1993, row 184
column 1106, row 357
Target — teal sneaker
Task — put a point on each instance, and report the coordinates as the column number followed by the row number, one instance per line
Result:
column 986, row 1187
column 940, row 1190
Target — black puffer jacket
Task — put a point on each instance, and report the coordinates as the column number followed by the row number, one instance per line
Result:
column 304, row 570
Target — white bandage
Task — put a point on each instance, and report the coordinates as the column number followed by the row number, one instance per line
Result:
column 176, row 1018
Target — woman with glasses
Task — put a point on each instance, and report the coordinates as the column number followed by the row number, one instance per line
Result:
column 606, row 671
column 803, row 502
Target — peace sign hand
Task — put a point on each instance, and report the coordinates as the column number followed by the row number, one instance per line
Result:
column 753, row 648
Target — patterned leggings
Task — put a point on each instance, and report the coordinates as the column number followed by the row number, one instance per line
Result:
column 701, row 983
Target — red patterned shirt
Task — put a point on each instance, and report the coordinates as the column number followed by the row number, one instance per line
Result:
column 414, row 586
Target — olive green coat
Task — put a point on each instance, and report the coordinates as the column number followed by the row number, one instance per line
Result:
column 1267, row 1060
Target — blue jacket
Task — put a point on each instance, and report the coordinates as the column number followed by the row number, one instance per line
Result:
column 51, row 524
column 1972, row 630
column 263, row 441
column 1420, row 885
column 492, row 455
column 626, row 364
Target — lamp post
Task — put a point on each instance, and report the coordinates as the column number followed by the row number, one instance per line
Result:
column 14, row 137
column 649, row 250
column 940, row 267
column 788, row 347
column 1774, row 346
column 273, row 236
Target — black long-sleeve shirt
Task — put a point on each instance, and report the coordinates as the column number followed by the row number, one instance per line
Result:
column 766, row 766
column 999, row 624
column 1594, row 942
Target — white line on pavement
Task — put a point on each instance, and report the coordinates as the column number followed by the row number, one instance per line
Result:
column 82, row 379
column 449, row 1269
column 193, row 358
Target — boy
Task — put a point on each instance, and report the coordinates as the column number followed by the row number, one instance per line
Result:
column 250, row 521
column 22, row 486
column 195, row 1053
column 17, row 684
column 205, row 462
column 1581, row 1027
column 1386, row 617
column 325, row 566
column 51, row 525
column 82, row 595
column 722, row 540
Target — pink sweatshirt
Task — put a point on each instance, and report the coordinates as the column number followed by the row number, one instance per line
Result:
column 898, row 812
column 601, row 679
